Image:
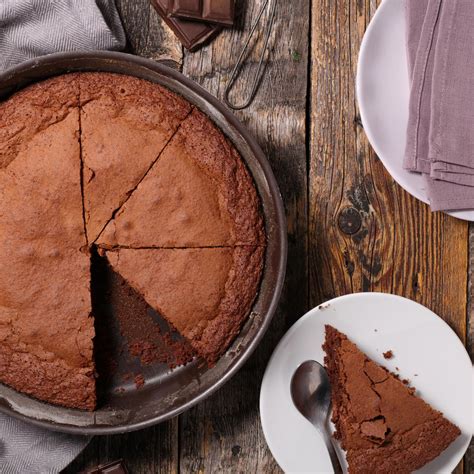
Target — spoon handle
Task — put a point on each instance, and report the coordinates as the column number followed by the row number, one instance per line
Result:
column 336, row 465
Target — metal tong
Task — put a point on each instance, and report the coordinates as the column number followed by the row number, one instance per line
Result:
column 258, row 75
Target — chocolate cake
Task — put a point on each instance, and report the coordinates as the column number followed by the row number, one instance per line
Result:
column 102, row 162
column 382, row 424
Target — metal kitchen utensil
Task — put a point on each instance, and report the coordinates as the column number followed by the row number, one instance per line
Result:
column 311, row 394
column 238, row 65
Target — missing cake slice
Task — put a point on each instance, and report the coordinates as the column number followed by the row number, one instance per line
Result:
column 382, row 424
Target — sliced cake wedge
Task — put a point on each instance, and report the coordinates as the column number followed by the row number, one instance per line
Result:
column 206, row 294
column 125, row 124
column 382, row 424
column 199, row 193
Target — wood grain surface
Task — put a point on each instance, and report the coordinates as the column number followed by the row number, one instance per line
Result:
column 350, row 227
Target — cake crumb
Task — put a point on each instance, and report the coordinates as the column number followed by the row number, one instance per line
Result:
column 323, row 306
column 406, row 381
column 139, row 381
column 388, row 354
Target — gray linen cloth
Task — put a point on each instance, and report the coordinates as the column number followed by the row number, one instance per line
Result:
column 31, row 28
column 26, row 449
column 440, row 139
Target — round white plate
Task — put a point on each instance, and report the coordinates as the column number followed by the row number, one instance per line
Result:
column 383, row 93
column 426, row 351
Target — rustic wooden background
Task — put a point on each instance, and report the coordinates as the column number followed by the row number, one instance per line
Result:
column 350, row 227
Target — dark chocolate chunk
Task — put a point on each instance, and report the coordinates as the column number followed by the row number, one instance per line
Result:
column 115, row 467
column 191, row 34
column 220, row 12
column 186, row 8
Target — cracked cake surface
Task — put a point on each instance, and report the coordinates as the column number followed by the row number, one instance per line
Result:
column 381, row 423
column 212, row 200
column 125, row 124
column 83, row 150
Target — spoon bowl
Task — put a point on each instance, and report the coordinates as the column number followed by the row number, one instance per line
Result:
column 311, row 395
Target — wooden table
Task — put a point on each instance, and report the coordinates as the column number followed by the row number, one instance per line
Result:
column 351, row 227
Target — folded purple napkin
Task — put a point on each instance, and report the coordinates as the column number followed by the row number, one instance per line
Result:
column 440, row 139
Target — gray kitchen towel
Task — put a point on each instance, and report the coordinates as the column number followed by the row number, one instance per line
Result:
column 31, row 28
column 26, row 449
column 440, row 138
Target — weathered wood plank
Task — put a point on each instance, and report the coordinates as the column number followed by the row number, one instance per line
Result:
column 366, row 233
column 223, row 434
column 147, row 34
column 89, row 458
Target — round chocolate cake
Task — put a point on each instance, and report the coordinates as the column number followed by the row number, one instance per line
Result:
column 110, row 165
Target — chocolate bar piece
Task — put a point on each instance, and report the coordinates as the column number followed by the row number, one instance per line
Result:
column 116, row 467
column 191, row 34
column 185, row 8
column 220, row 12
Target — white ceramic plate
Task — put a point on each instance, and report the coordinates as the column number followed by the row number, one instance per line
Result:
column 422, row 343
column 383, row 95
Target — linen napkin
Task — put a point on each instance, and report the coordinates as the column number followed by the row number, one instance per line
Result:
column 27, row 449
column 31, row 28
column 440, row 138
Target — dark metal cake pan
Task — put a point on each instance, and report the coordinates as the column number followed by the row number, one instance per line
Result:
column 167, row 393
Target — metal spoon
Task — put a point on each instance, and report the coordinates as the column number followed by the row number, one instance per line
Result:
column 311, row 394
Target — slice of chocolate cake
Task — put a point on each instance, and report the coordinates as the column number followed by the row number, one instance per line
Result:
column 208, row 315
column 381, row 424
column 197, row 194
column 125, row 124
